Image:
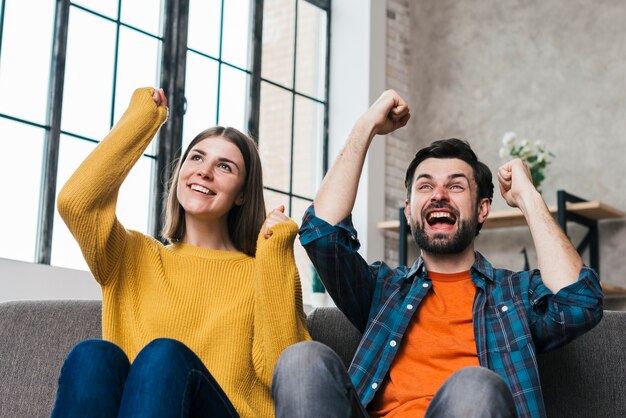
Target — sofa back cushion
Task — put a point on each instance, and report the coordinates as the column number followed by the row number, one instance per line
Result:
column 35, row 338
column 586, row 378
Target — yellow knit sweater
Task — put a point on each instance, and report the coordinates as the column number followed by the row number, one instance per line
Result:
column 236, row 312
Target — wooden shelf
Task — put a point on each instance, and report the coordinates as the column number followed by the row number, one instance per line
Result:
column 513, row 217
column 613, row 290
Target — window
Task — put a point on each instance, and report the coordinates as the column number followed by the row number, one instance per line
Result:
column 260, row 66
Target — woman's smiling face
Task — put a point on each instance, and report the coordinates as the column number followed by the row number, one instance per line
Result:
column 211, row 179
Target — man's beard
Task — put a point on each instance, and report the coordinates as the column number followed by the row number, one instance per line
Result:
column 442, row 243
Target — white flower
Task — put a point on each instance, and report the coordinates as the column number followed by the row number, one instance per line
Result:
column 504, row 152
column 525, row 143
column 508, row 139
column 541, row 158
column 539, row 144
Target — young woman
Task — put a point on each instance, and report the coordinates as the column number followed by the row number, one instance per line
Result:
column 193, row 328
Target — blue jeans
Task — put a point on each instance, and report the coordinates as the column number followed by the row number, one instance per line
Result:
column 166, row 380
column 310, row 380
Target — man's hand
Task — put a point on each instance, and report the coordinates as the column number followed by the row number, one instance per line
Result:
column 276, row 216
column 515, row 181
column 337, row 193
column 557, row 258
column 388, row 113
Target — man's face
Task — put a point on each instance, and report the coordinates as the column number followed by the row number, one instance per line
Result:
column 443, row 211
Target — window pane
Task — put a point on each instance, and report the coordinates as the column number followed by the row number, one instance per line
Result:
column 143, row 14
column 236, row 37
column 311, row 50
column 138, row 63
column 21, row 152
column 65, row 251
column 105, row 7
column 133, row 205
column 274, row 200
column 132, row 208
column 233, row 98
column 308, row 146
column 88, row 75
column 201, row 95
column 25, row 60
column 279, row 18
column 204, row 26
column 275, row 136
column 305, row 267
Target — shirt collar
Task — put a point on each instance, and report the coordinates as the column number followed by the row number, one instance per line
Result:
column 481, row 265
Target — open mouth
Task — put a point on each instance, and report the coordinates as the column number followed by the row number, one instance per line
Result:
column 434, row 218
column 202, row 189
column 439, row 215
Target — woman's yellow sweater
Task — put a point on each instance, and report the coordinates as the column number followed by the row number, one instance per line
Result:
column 236, row 312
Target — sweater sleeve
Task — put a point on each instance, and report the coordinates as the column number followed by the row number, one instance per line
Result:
column 279, row 318
column 87, row 202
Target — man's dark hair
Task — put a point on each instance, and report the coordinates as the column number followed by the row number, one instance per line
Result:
column 453, row 148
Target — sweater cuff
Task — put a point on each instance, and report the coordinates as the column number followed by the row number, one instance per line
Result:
column 282, row 236
column 142, row 102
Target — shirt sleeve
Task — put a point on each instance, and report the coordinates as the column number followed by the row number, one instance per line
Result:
column 333, row 250
column 558, row 318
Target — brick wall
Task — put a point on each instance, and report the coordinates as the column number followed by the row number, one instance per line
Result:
column 399, row 146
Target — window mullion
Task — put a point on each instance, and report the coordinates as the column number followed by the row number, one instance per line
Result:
column 45, row 222
column 254, row 103
column 173, row 67
column 326, row 90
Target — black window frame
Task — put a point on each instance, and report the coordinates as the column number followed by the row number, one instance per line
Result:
column 172, row 79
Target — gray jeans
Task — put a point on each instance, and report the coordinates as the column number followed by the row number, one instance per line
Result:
column 310, row 380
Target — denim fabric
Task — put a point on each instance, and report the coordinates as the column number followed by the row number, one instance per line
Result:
column 473, row 392
column 166, row 380
column 310, row 381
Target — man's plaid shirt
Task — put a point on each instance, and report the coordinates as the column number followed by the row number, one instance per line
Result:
column 515, row 315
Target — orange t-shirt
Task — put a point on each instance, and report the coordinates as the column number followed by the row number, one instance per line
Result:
column 438, row 342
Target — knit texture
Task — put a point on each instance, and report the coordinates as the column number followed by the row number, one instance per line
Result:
column 236, row 312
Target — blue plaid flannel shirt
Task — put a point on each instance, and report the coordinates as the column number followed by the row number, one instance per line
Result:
column 515, row 315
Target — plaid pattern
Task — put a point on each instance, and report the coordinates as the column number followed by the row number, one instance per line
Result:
column 515, row 315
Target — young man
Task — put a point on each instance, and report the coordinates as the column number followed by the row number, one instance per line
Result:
column 452, row 335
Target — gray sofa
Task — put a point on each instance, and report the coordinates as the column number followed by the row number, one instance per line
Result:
column 583, row 379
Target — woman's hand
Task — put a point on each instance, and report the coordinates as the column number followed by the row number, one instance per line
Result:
column 159, row 97
column 276, row 216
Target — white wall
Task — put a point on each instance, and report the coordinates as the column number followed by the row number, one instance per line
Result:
column 28, row 281
column 357, row 78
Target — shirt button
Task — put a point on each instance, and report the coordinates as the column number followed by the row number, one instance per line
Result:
column 409, row 306
column 392, row 343
column 374, row 385
column 425, row 285
column 504, row 308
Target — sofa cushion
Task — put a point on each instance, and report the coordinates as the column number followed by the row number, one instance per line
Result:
column 331, row 327
column 35, row 338
column 585, row 378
